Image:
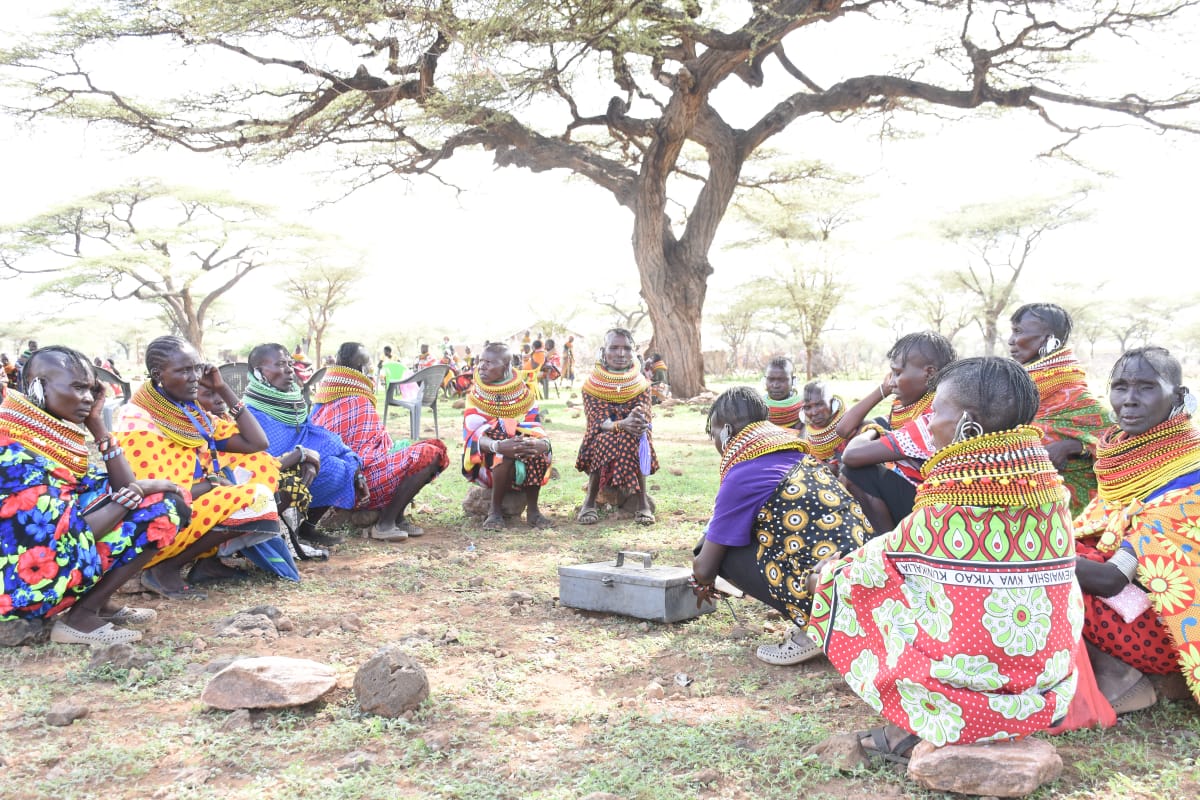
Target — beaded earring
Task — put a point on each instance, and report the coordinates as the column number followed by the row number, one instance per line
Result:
column 37, row 393
column 1049, row 346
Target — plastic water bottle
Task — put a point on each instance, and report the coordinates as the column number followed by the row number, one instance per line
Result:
column 470, row 547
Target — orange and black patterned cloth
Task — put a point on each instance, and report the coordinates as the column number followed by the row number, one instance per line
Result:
column 611, row 396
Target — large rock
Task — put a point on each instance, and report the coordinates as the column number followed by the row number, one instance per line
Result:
column 478, row 502
column 23, row 631
column 390, row 683
column 998, row 769
column 268, row 682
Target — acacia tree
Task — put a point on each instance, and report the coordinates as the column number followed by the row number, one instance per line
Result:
column 999, row 239
column 403, row 85
column 799, row 304
column 179, row 248
column 738, row 321
column 941, row 303
column 316, row 292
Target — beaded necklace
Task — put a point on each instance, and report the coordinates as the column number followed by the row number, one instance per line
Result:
column 505, row 400
column 758, row 439
column 340, row 382
column 786, row 412
column 615, row 387
column 286, row 407
column 186, row 424
column 823, row 442
column 906, row 413
column 43, row 433
column 1131, row 467
column 1001, row 469
column 1056, row 371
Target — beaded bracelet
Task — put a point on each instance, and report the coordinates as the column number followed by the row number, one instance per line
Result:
column 106, row 444
column 109, row 455
column 127, row 498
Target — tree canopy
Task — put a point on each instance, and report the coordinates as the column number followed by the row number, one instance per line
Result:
column 663, row 104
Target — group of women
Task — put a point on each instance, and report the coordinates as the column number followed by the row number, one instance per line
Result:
column 1049, row 544
column 1046, row 539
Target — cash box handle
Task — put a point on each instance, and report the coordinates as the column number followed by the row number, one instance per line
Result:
column 645, row 557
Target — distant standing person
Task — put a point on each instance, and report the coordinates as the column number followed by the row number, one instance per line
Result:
column 617, row 450
column 568, row 360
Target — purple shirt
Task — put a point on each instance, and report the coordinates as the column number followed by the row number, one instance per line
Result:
column 747, row 488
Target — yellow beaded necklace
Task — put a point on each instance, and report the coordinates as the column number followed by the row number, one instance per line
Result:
column 906, row 413
column 505, row 400
column 615, row 387
column 42, row 433
column 1131, row 467
column 1001, row 469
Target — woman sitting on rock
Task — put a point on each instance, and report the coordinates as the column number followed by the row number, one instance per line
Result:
column 504, row 444
column 71, row 534
column 962, row 624
column 779, row 512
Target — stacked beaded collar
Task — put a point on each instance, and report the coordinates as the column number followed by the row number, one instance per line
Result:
column 506, row 400
column 823, row 442
column 786, row 412
column 758, row 439
column 615, row 387
column 1002, row 469
column 1055, row 371
column 902, row 414
column 340, row 382
column 185, row 424
column 46, row 435
column 286, row 407
column 1131, row 467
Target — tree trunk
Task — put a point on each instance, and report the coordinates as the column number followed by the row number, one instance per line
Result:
column 989, row 335
column 674, row 295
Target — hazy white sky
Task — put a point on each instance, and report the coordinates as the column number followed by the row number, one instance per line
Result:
column 545, row 241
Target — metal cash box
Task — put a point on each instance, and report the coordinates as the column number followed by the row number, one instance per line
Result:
column 636, row 590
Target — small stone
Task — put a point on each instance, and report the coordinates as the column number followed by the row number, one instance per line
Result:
column 199, row 644
column 18, row 632
column 64, row 713
column 269, row 682
column 1003, row 769
column 237, row 719
column 514, row 609
column 350, row 623
column 249, row 625
column 842, row 752
column 450, row 636
column 676, row 471
column 740, row 632
column 643, row 627
column 154, row 672
column 119, row 655
column 655, row 691
column 476, row 581
column 520, row 597
column 285, row 625
column 705, row 776
column 270, row 612
column 390, row 683
column 356, row 761
column 654, row 487
column 437, row 741
column 531, row 736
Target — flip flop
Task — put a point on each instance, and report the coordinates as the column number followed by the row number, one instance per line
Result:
column 103, row 636
column 494, row 523
column 128, row 615
column 880, row 749
column 153, row 584
column 541, row 522
column 587, row 516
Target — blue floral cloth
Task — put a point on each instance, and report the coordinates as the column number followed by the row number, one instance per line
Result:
column 334, row 484
column 49, row 557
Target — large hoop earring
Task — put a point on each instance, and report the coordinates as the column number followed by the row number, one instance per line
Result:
column 967, row 428
column 37, row 393
column 1049, row 346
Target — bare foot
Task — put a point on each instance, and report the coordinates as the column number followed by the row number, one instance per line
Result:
column 494, row 522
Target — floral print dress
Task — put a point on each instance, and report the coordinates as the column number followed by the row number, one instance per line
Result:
column 49, row 557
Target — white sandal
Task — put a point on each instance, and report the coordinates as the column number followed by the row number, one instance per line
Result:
column 128, row 615
column 103, row 636
column 795, row 649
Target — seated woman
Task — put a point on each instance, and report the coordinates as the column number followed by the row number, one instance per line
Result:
column 778, row 513
column 232, row 482
column 784, row 403
column 393, row 472
column 823, row 411
column 71, row 534
column 504, row 444
column 1070, row 418
column 881, row 465
column 1139, row 545
column 660, row 382
column 961, row 625
column 309, row 454
column 617, row 450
